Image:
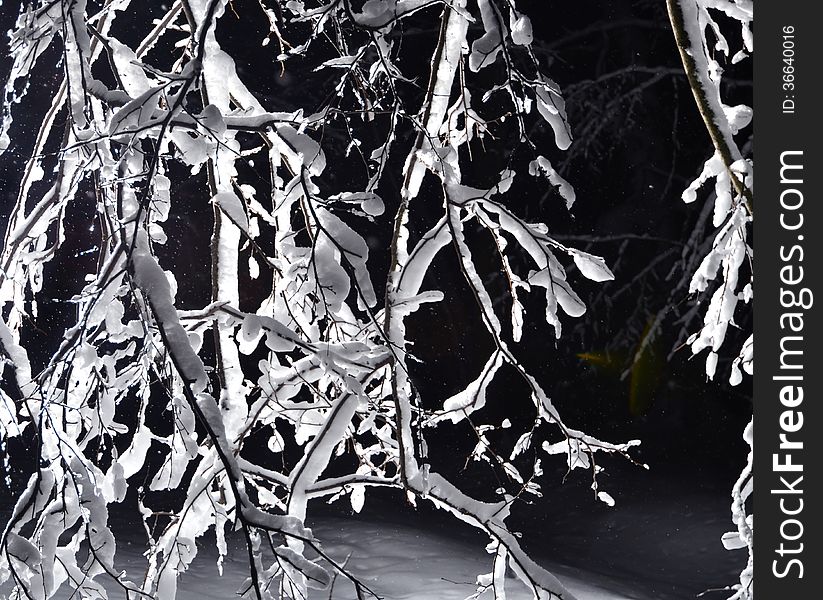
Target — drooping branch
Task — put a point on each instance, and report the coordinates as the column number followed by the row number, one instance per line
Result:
column 686, row 24
column 331, row 373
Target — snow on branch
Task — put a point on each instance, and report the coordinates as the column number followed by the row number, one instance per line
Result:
column 726, row 273
column 229, row 392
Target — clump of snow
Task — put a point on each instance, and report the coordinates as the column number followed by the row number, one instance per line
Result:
column 521, row 28
column 542, row 165
column 393, row 559
column 485, row 49
column 232, row 206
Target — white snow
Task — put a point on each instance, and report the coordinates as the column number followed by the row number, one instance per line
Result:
column 542, row 165
column 521, row 28
column 438, row 101
column 232, row 207
column 592, row 267
column 486, row 48
column 395, row 560
column 552, row 108
column 473, row 396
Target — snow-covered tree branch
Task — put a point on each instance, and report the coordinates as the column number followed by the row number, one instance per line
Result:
column 250, row 267
column 320, row 367
column 728, row 264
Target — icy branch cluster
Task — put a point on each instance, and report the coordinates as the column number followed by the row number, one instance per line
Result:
column 322, row 368
column 726, row 271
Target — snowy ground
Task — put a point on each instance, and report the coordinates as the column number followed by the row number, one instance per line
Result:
column 397, row 561
column 658, row 543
